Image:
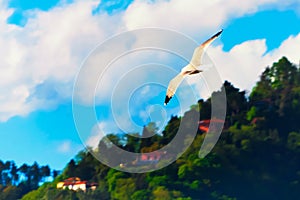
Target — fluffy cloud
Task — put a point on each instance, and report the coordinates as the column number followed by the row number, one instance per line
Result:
column 189, row 16
column 289, row 48
column 48, row 49
column 244, row 63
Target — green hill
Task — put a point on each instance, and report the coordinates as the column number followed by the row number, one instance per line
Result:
column 256, row 157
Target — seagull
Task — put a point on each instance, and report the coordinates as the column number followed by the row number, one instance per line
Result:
column 191, row 68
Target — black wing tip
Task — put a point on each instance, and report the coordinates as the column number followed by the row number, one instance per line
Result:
column 218, row 33
column 167, row 99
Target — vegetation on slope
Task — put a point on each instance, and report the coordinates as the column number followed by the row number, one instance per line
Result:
column 256, row 157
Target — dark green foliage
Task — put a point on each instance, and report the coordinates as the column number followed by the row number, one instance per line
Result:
column 15, row 182
column 276, row 97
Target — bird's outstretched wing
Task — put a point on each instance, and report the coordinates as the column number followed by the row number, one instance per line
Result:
column 198, row 52
column 172, row 87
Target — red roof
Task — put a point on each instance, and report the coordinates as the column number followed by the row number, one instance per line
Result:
column 204, row 124
column 74, row 181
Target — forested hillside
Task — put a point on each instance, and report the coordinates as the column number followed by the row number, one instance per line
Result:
column 16, row 181
column 256, row 157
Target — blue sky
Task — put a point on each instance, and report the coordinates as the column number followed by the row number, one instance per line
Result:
column 274, row 25
column 41, row 127
column 19, row 15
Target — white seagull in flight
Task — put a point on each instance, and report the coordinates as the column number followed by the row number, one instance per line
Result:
column 190, row 68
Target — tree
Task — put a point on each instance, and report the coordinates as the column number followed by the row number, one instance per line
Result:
column 45, row 171
column 71, row 169
column 86, row 168
column 55, row 173
column 236, row 103
column 24, row 169
column 141, row 195
column 149, row 136
column 2, row 167
column 170, row 130
column 34, row 175
column 14, row 174
column 161, row 193
column 6, row 178
column 125, row 187
column 133, row 143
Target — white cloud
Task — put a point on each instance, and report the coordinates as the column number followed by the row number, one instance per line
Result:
column 98, row 132
column 49, row 48
column 244, row 63
column 189, row 16
column 288, row 48
column 64, row 147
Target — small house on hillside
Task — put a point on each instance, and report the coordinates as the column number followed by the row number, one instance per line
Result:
column 75, row 183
